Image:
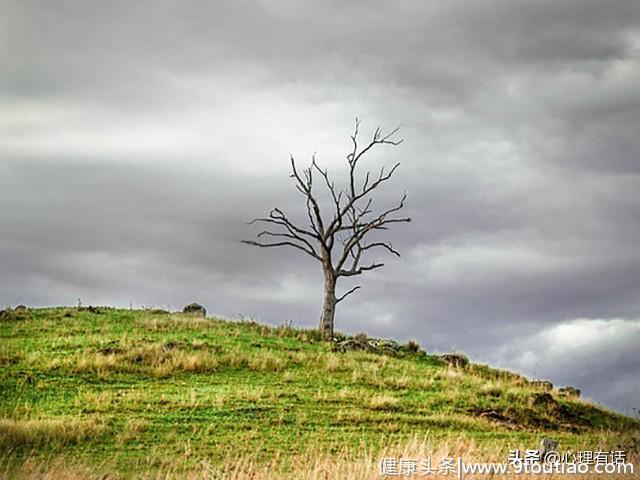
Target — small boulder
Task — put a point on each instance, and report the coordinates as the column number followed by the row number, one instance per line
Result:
column 456, row 360
column 362, row 343
column 569, row 391
column 547, row 445
column 545, row 385
column 21, row 308
column 195, row 309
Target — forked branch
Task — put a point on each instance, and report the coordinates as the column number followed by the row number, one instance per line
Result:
column 335, row 235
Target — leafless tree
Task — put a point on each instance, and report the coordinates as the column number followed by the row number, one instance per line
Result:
column 337, row 239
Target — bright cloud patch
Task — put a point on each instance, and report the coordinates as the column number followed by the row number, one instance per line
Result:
column 592, row 354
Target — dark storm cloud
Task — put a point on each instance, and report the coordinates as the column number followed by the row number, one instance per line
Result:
column 416, row 45
column 137, row 138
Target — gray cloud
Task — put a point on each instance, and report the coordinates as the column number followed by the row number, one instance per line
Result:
column 136, row 140
column 583, row 351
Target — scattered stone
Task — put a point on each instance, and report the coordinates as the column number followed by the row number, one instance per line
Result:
column 21, row 308
column 360, row 343
column 456, row 360
column 195, row 309
column 547, row 445
column 545, row 385
column 386, row 345
column 569, row 391
column 4, row 314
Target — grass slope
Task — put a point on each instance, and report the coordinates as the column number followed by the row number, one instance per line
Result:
column 134, row 393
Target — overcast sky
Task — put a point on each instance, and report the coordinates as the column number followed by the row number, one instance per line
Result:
column 137, row 138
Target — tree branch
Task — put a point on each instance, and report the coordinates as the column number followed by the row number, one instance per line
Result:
column 386, row 246
column 339, row 299
column 359, row 270
column 361, row 229
column 281, row 244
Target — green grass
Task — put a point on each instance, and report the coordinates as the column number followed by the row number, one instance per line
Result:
column 133, row 392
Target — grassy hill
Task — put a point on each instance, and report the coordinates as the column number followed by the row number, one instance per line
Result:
column 89, row 392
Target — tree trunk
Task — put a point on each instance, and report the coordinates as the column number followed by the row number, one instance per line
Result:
column 329, row 304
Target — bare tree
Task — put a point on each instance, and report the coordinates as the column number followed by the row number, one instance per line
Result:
column 337, row 239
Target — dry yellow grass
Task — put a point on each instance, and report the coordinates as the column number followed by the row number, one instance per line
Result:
column 133, row 429
column 162, row 360
column 345, row 465
column 154, row 359
column 50, row 431
column 172, row 322
column 383, row 402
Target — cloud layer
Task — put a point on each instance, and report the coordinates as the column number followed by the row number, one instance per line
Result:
column 136, row 140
